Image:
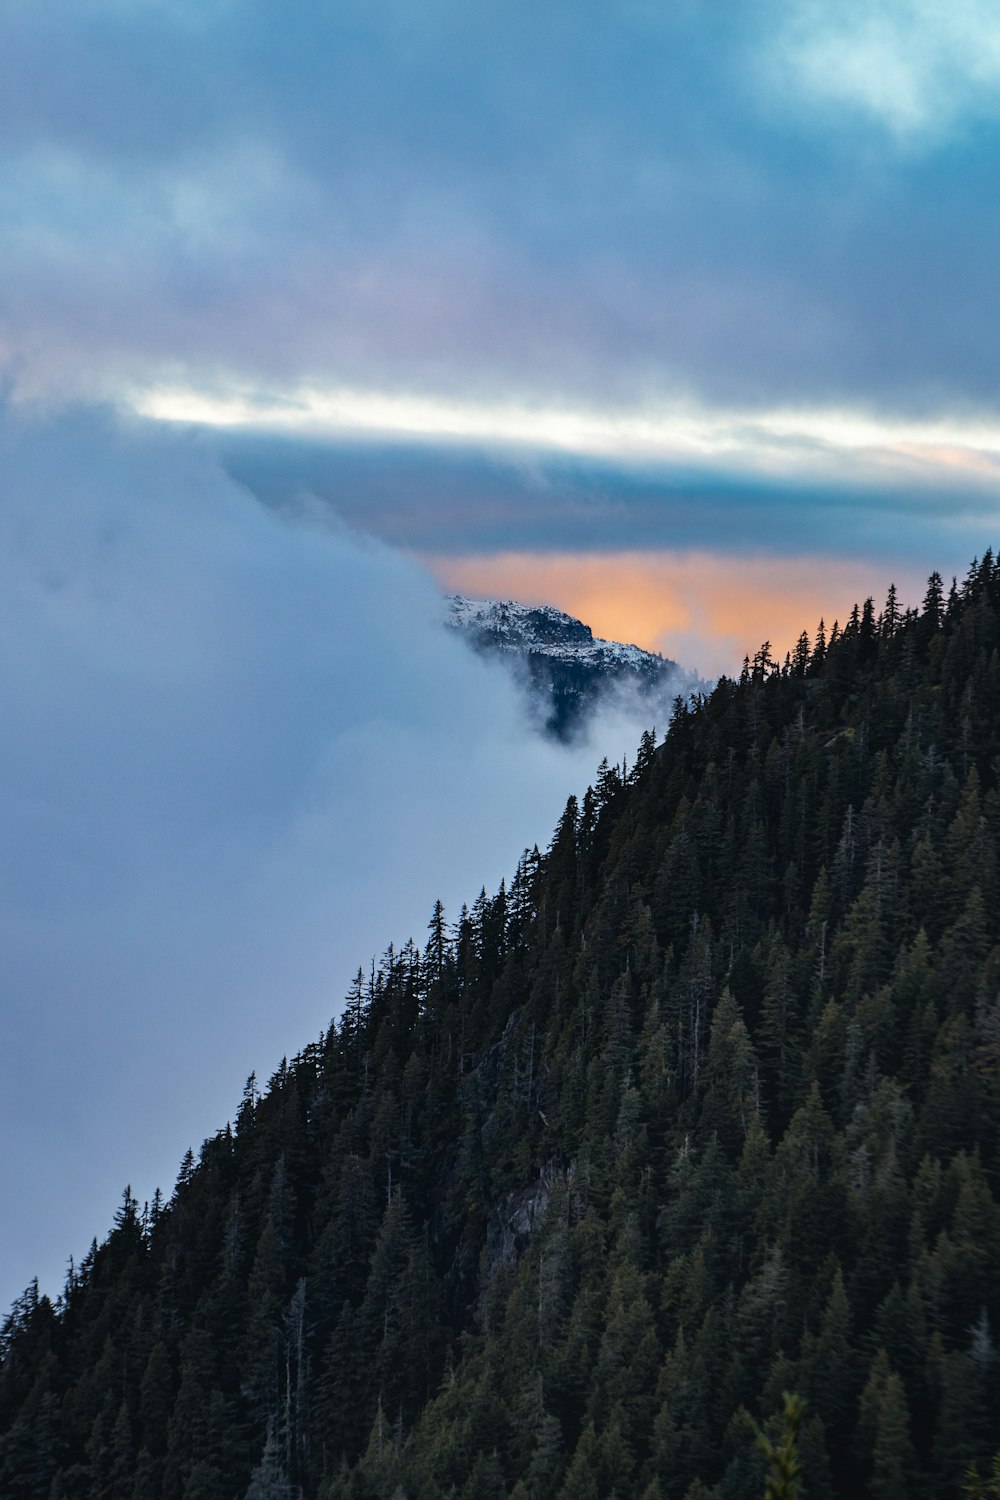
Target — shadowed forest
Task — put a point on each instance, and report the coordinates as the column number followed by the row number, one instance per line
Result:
column 701, row 1108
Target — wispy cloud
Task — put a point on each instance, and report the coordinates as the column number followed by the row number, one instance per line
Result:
column 916, row 67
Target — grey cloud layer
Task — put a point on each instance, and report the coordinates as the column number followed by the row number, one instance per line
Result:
column 439, row 499
column 559, row 200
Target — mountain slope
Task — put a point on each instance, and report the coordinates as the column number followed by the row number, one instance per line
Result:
column 567, row 671
column 705, row 1106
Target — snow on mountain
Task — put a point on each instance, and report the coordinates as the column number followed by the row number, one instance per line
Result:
column 506, row 625
column 566, row 668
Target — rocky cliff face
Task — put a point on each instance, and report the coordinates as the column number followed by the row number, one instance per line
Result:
column 567, row 671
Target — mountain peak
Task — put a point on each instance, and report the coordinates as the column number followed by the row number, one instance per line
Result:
column 566, row 668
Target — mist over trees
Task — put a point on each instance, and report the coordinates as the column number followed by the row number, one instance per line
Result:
column 701, row 1108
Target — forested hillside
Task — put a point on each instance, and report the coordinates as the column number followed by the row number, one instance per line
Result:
column 703, row 1107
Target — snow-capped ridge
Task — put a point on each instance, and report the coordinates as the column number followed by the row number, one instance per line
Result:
column 506, row 625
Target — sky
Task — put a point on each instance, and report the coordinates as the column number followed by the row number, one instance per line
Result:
column 659, row 281
column 684, row 318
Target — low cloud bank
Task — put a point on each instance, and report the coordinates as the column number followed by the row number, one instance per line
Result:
column 240, row 756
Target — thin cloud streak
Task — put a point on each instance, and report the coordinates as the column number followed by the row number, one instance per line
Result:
column 784, row 441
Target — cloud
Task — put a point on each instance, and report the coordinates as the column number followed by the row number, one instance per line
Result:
column 918, row 68
column 770, row 493
column 240, row 756
column 779, row 441
column 595, row 207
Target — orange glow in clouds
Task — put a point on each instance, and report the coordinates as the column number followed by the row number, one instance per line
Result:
column 705, row 610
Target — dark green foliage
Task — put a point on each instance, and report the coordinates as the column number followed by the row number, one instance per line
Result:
column 703, row 1107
